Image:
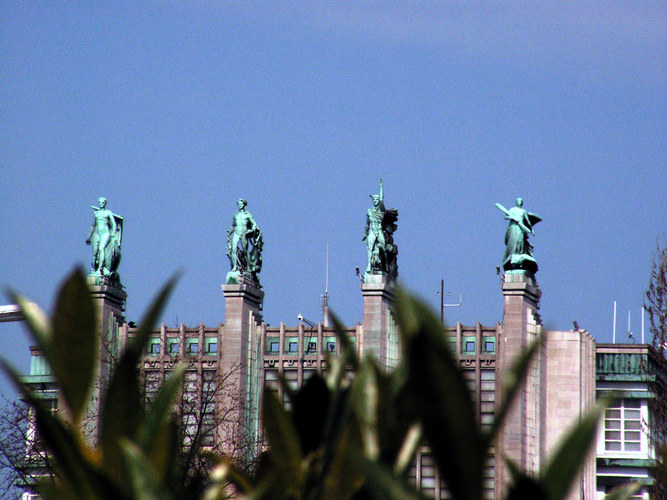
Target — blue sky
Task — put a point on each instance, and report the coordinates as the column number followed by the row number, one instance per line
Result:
column 173, row 110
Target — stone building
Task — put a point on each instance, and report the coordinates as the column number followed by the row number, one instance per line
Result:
column 246, row 354
column 562, row 382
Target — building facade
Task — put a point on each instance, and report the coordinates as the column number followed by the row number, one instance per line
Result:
column 229, row 365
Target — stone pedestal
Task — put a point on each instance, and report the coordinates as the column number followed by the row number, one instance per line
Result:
column 109, row 299
column 519, row 440
column 241, row 354
column 559, row 388
column 379, row 336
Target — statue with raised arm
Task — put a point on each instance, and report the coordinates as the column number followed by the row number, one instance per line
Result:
column 518, row 251
column 244, row 246
column 105, row 236
column 381, row 252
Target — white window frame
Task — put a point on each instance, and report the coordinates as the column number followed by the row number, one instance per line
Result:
column 616, row 419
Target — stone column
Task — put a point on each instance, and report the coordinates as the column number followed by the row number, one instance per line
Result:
column 243, row 303
column 109, row 299
column 378, row 324
column 519, row 440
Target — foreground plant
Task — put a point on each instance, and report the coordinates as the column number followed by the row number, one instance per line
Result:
column 352, row 433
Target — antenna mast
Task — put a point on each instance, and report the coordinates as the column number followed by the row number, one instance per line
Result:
column 325, row 297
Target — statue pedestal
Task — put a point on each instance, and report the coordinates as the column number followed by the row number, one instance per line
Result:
column 520, row 438
column 379, row 330
column 109, row 301
column 241, row 354
column 241, row 278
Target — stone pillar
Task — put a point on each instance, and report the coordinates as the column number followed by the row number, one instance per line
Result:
column 519, row 440
column 378, row 324
column 109, row 299
column 243, row 303
column 569, row 392
column 240, row 335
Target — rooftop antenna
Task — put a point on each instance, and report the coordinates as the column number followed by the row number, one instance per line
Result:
column 325, row 297
column 613, row 332
column 643, row 324
column 442, row 301
column 630, row 336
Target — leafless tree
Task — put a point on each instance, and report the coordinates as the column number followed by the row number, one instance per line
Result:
column 23, row 459
column 655, row 304
column 211, row 416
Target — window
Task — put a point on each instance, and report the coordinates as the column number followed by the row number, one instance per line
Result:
column 154, row 348
column 211, row 346
column 174, row 347
column 272, row 345
column 623, row 427
column 468, row 345
column 330, row 344
column 193, row 347
column 312, row 346
column 489, row 345
column 292, row 345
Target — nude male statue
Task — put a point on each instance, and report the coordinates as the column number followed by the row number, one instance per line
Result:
column 101, row 232
column 243, row 231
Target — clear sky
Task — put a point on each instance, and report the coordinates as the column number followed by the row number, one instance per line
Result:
column 173, row 110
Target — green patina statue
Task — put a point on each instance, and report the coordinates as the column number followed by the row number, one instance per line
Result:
column 244, row 246
column 518, row 255
column 106, row 234
column 381, row 252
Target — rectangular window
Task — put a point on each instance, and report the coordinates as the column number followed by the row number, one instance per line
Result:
column 330, row 344
column 193, row 347
column 174, row 346
column 468, row 345
column 292, row 345
column 211, row 346
column 489, row 345
column 272, row 345
column 312, row 346
column 623, row 427
column 154, row 347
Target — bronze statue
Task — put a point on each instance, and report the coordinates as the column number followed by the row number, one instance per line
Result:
column 381, row 252
column 518, row 251
column 244, row 245
column 105, row 237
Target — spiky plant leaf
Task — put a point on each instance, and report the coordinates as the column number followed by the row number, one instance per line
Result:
column 75, row 343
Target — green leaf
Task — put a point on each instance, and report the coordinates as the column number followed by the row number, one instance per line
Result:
column 386, row 485
column 66, row 446
column 224, row 472
column 141, row 475
column 408, row 450
column 442, row 399
column 512, row 385
column 348, row 358
column 310, row 406
column 157, row 438
column 123, row 410
column 285, row 452
column 562, row 469
column 39, row 324
column 623, row 492
column 341, row 475
column 75, row 343
column 365, row 397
